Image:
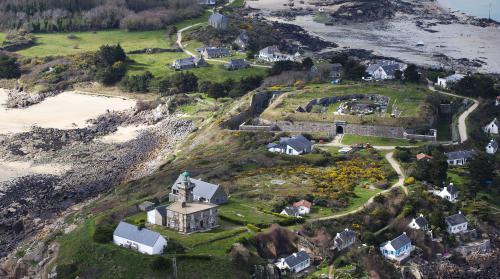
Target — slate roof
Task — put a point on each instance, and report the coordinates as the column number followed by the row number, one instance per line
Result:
column 201, row 188
column 291, row 211
column 162, row 209
column 460, row 154
column 243, row 37
column 390, row 69
column 456, row 219
column 217, row 18
column 421, row 221
column 237, row 63
column 185, row 61
column 344, row 237
column 298, row 143
column 372, row 68
column 269, row 50
column 133, row 233
column 400, row 241
column 494, row 144
column 296, row 258
column 454, row 78
column 451, row 189
column 146, row 204
column 496, row 122
column 216, row 51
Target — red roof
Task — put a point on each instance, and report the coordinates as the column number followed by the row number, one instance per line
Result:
column 421, row 156
column 302, row 203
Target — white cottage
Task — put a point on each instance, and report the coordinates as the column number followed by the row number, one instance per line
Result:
column 449, row 193
column 447, row 81
column 290, row 211
column 292, row 146
column 456, row 223
column 272, row 54
column 492, row 147
column 459, row 158
column 344, row 239
column 492, row 127
column 397, row 249
column 139, row 239
column 419, row 223
column 296, row 262
column 303, row 207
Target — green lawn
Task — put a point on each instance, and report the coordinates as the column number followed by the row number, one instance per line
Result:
column 2, row 37
column 408, row 98
column 159, row 64
column 246, row 210
column 376, row 141
column 237, row 3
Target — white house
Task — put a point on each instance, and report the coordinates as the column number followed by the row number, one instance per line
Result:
column 492, row 147
column 139, row 239
column 397, row 249
column 492, row 127
column 456, row 223
column 385, row 69
column 447, row 81
column 296, row 262
column 157, row 216
column 344, row 239
column 419, row 223
column 497, row 101
column 459, row 158
column 290, row 211
column 292, row 146
column 272, row 54
column 449, row 193
column 303, row 207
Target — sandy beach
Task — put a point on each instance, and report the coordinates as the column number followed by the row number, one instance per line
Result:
column 397, row 38
column 67, row 110
column 9, row 170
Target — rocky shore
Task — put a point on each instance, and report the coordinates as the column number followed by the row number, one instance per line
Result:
column 30, row 203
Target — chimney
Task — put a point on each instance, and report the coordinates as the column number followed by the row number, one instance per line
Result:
column 295, row 254
column 346, row 229
column 404, row 233
column 459, row 212
column 421, row 215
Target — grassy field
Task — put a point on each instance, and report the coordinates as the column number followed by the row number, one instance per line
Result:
column 407, row 97
column 2, row 37
column 376, row 141
column 246, row 210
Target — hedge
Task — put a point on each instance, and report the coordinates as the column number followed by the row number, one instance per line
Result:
column 254, row 228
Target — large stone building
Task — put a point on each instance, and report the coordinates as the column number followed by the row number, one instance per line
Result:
column 185, row 215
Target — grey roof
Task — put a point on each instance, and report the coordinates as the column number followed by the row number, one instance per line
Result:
column 298, row 143
column 451, row 189
column 217, row 18
column 391, row 69
column 456, row 219
column 372, row 68
column 400, row 241
column 243, row 37
column 421, row 221
column 291, row 211
column 344, row 237
column 201, row 188
column 162, row 209
column 454, row 78
column 133, row 233
column 389, row 66
column 494, row 144
column 216, row 51
column 461, row 154
column 270, row 50
column 296, row 258
column 146, row 204
column 237, row 63
column 496, row 122
column 185, row 61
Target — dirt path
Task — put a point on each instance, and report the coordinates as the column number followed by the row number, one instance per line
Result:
column 400, row 183
column 462, row 125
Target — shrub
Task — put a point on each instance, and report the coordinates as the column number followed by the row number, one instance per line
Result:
column 409, row 180
column 159, row 263
column 67, row 270
column 103, row 232
column 195, row 257
column 137, row 83
column 254, row 228
column 184, row 82
column 9, row 67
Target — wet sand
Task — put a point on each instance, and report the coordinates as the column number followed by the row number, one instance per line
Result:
column 67, row 110
column 398, row 37
column 123, row 134
column 9, row 170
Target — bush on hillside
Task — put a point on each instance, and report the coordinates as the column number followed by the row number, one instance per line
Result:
column 160, row 263
column 9, row 67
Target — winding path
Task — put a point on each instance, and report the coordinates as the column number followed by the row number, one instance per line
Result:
column 462, row 125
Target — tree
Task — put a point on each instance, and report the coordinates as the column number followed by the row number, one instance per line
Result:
column 9, row 67
column 217, row 90
column 110, row 54
column 159, row 263
column 411, row 73
column 307, row 63
column 476, row 85
column 111, row 75
column 137, row 83
column 438, row 167
column 282, row 66
column 481, row 168
column 185, row 82
column 398, row 75
column 353, row 69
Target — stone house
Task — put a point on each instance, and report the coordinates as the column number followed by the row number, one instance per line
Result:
column 140, row 239
column 189, row 63
column 328, row 70
column 449, row 193
column 186, row 215
column 218, row 21
column 202, row 191
column 242, row 41
column 456, row 224
column 385, row 69
column 344, row 239
column 215, row 52
column 236, row 64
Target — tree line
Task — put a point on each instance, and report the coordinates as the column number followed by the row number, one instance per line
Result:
column 76, row 15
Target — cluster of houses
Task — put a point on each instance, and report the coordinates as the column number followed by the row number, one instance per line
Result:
column 193, row 209
column 272, row 54
column 385, row 69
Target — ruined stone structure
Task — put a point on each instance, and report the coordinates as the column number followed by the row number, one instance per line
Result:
column 188, row 216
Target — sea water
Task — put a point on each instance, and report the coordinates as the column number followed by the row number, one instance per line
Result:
column 479, row 8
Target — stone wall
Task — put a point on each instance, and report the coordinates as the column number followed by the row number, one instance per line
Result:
column 375, row 131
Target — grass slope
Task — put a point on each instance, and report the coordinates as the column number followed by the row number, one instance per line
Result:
column 377, row 141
